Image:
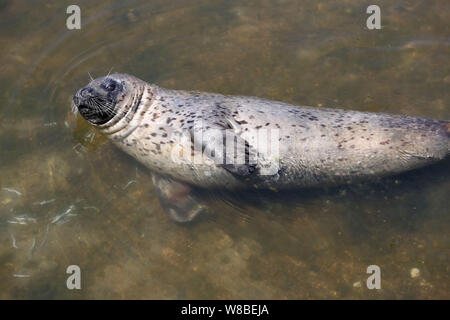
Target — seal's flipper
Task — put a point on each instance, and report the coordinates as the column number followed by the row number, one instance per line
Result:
column 229, row 149
column 177, row 199
column 242, row 170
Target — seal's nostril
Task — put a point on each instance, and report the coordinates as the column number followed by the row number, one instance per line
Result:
column 85, row 92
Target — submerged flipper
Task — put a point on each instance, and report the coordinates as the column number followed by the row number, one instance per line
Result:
column 177, row 199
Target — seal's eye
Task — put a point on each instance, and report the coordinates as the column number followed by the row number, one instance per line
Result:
column 111, row 86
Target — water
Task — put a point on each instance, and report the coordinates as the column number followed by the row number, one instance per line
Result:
column 67, row 196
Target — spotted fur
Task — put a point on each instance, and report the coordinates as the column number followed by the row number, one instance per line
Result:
column 317, row 146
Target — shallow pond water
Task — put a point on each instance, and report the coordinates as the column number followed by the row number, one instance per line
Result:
column 68, row 196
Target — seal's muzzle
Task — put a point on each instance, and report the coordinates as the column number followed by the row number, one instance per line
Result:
column 97, row 101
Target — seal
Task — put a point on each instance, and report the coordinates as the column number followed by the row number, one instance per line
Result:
column 192, row 139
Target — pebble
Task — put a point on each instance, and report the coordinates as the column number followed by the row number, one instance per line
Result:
column 414, row 272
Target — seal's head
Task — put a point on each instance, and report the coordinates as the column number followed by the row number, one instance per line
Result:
column 99, row 100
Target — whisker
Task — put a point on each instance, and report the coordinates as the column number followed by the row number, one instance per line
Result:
column 93, row 105
column 102, row 106
column 74, row 108
column 109, row 72
column 92, row 79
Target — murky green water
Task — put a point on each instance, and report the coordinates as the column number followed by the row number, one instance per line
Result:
column 67, row 196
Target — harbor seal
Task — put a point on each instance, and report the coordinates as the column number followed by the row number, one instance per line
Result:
column 195, row 140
